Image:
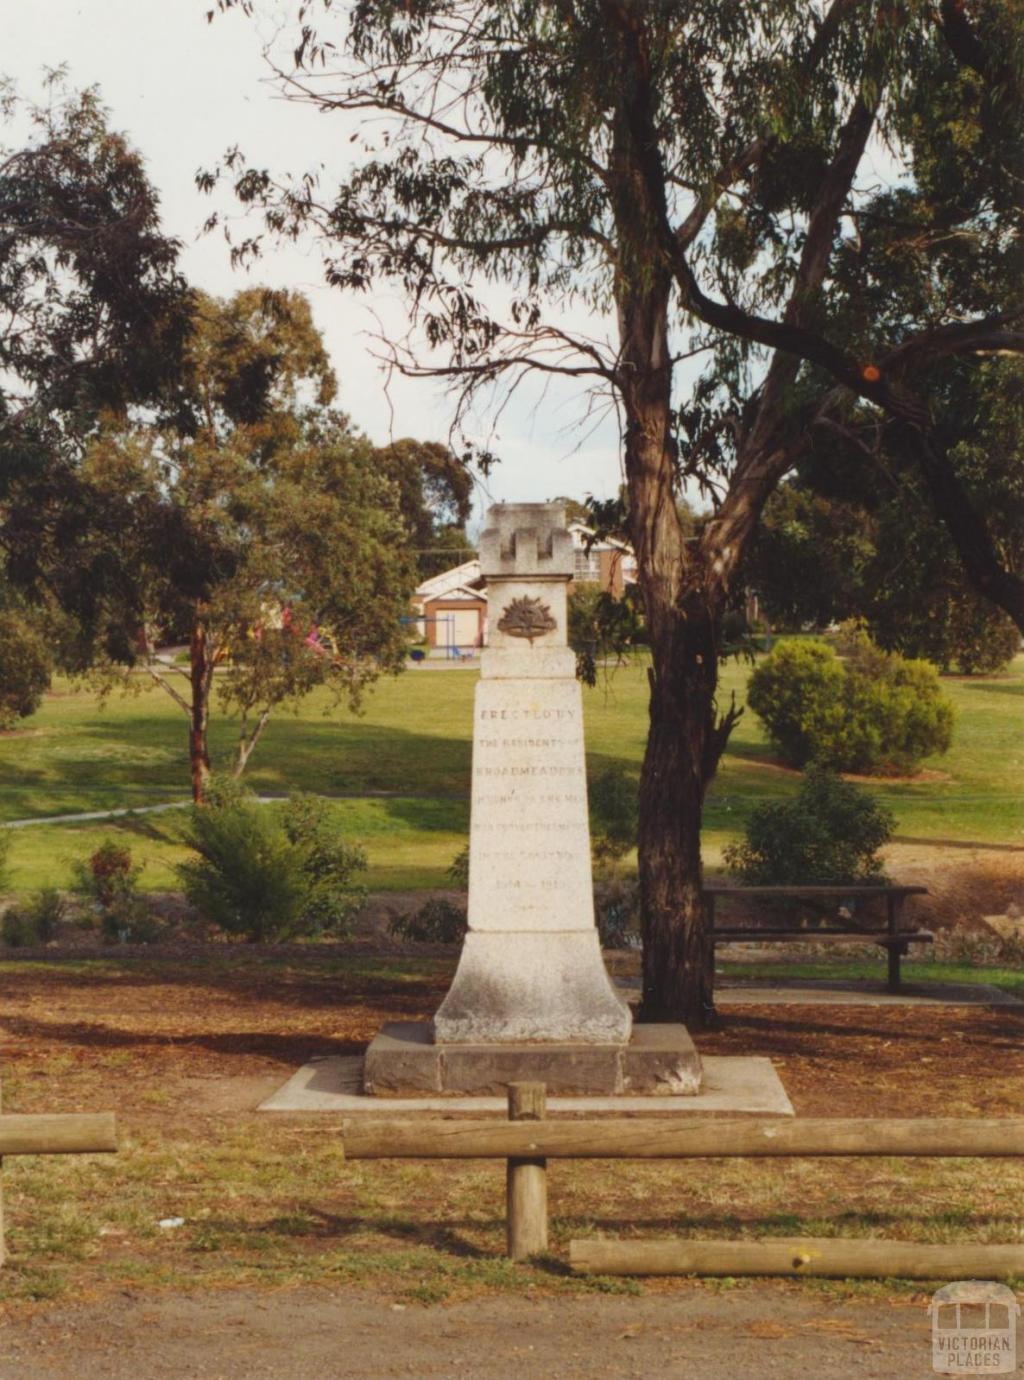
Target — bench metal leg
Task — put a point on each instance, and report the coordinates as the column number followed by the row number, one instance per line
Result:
column 896, row 951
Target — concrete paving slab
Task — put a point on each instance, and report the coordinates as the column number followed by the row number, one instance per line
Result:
column 731, row 1083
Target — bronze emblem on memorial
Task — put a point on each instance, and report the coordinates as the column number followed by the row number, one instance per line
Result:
column 526, row 617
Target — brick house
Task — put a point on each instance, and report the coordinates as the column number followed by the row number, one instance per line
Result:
column 450, row 610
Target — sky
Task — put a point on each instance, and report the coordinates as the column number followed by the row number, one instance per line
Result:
column 184, row 91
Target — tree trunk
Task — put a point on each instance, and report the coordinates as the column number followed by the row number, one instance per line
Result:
column 199, row 719
column 682, row 629
column 678, row 969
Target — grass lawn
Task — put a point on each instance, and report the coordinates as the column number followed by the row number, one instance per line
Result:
column 850, row 969
column 405, row 764
column 185, row 1044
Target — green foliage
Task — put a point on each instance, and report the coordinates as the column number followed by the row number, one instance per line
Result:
column 264, row 530
column 829, row 833
column 614, row 805
column 435, row 491
column 111, row 880
column 25, row 668
column 107, row 874
column 438, row 921
column 602, row 628
column 95, row 317
column 16, row 928
column 858, row 540
column 617, row 910
column 95, row 308
column 458, row 873
column 267, row 875
column 329, row 865
column 34, row 921
column 874, row 713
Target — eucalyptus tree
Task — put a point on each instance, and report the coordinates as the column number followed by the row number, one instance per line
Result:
column 696, row 172
column 93, row 317
column 435, row 492
column 259, row 528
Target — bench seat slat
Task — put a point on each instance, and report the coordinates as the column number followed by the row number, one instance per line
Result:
column 875, row 936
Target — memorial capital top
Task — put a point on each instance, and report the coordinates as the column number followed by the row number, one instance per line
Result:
column 526, row 540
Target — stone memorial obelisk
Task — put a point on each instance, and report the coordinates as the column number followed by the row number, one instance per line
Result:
column 531, row 998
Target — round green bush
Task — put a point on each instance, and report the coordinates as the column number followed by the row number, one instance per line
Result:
column 873, row 712
column 828, row 834
column 270, row 874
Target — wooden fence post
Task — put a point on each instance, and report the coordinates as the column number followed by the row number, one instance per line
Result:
column 527, row 1179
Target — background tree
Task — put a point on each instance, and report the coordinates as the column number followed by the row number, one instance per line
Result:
column 684, row 166
column 859, row 539
column 94, row 314
column 435, row 493
column 261, row 527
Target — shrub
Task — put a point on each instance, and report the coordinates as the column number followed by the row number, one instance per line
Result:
column 829, row 833
column 329, row 866
column 35, row 921
column 17, row 928
column 613, row 815
column 873, row 712
column 110, row 879
column 129, row 920
column 436, row 922
column 459, row 870
column 108, row 874
column 616, row 914
column 269, row 875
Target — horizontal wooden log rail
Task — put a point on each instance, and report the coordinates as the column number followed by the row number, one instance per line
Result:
column 652, row 1138
column 54, row 1133
column 829, row 1257
column 527, row 1145
column 58, row 1134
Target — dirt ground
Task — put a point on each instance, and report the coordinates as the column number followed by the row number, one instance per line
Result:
column 314, row 1334
column 185, row 1041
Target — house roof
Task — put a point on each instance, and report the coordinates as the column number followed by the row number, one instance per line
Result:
column 465, row 580
column 459, row 592
column 582, row 533
column 437, row 586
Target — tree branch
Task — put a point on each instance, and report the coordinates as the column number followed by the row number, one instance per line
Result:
column 246, row 744
column 970, row 534
column 179, row 700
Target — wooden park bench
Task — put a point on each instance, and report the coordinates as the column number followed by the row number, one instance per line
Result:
column 893, row 937
column 528, row 1140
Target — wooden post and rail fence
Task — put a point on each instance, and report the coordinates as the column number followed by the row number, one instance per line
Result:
column 55, row 1133
column 527, row 1141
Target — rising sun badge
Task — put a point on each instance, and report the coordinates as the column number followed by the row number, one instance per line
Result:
column 526, row 617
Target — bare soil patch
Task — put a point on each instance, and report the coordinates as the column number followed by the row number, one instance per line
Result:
column 239, row 1334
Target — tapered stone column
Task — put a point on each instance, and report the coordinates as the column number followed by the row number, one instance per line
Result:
column 531, row 967
column 531, row 999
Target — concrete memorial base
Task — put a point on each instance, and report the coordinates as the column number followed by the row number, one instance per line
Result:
column 657, row 1059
